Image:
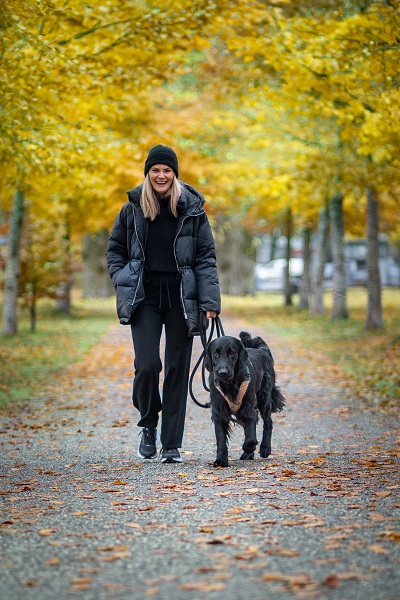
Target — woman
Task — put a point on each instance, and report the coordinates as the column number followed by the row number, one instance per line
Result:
column 161, row 258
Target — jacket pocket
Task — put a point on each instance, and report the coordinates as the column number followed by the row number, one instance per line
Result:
column 128, row 276
column 129, row 289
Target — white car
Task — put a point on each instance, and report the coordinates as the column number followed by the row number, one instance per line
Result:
column 271, row 276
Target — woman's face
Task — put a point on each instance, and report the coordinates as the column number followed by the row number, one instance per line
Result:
column 161, row 178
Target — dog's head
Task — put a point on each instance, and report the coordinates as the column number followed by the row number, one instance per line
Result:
column 225, row 356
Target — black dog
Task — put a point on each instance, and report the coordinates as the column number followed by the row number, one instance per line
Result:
column 242, row 383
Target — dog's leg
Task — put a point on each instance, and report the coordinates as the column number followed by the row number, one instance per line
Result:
column 250, row 440
column 221, row 435
column 265, row 448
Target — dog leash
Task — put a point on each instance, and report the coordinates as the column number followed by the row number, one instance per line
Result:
column 220, row 332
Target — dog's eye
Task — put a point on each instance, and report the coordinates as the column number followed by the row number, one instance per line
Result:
column 231, row 354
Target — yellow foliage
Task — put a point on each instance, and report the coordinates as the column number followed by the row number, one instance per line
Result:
column 268, row 106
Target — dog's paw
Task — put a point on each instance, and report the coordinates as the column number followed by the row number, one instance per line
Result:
column 220, row 463
column 247, row 456
column 265, row 452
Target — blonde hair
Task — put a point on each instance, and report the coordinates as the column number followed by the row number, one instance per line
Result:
column 149, row 203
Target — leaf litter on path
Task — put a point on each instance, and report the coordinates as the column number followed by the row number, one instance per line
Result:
column 320, row 514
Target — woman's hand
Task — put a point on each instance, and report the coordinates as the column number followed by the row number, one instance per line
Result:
column 211, row 314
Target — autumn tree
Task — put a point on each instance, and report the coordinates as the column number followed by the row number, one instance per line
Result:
column 45, row 263
column 324, row 74
column 274, row 105
column 69, row 74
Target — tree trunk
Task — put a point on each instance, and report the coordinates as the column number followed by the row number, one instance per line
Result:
column 374, row 307
column 63, row 300
column 32, row 311
column 273, row 246
column 10, row 326
column 236, row 257
column 339, row 306
column 96, row 280
column 304, row 291
column 317, row 278
column 288, row 287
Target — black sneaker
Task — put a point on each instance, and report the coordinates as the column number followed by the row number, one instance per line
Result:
column 147, row 446
column 171, row 455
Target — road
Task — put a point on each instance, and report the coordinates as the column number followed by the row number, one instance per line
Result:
column 84, row 518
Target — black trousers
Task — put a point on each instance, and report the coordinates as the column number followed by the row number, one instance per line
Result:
column 161, row 308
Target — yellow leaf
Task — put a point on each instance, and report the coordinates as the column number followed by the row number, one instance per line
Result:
column 47, row 531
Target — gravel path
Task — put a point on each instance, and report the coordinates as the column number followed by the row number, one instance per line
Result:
column 84, row 518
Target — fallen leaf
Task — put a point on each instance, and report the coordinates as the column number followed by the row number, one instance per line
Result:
column 114, row 556
column 200, row 586
column 331, row 581
column 114, row 548
column 391, row 535
column 282, row 552
column 47, row 531
column 154, row 591
column 90, row 570
column 81, row 581
column 274, row 577
column 377, row 517
column 378, row 549
column 53, row 562
column 269, row 522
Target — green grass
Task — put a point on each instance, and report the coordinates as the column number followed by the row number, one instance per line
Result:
column 367, row 362
column 29, row 361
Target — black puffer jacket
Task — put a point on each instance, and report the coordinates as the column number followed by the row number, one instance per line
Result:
column 194, row 252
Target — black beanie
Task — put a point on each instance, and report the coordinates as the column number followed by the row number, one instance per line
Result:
column 161, row 155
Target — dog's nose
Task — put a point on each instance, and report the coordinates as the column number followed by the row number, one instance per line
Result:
column 222, row 372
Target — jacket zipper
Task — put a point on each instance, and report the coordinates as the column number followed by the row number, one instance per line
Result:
column 141, row 247
column 177, row 264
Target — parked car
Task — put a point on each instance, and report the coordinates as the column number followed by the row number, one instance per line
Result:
column 271, row 276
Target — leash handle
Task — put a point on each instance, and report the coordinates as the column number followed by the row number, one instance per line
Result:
column 215, row 322
column 220, row 329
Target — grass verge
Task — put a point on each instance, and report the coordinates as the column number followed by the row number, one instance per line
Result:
column 30, row 361
column 365, row 362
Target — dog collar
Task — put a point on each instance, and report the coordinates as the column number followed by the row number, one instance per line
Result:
column 234, row 405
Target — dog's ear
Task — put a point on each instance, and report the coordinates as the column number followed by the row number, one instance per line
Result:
column 207, row 358
column 242, row 356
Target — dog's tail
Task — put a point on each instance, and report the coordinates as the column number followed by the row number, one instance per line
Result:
column 257, row 342
column 278, row 400
column 249, row 342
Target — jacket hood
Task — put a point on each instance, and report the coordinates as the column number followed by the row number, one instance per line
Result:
column 191, row 201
